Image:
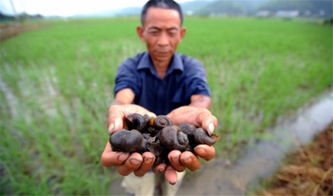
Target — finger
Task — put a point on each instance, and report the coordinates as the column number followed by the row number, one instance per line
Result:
column 208, row 122
column 160, row 168
column 189, row 160
column 151, row 115
column 115, row 119
column 131, row 164
column 174, row 158
column 170, row 175
column 148, row 161
column 116, row 125
column 132, row 108
column 204, row 151
column 145, row 112
column 110, row 158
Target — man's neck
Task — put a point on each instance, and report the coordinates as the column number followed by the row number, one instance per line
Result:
column 161, row 68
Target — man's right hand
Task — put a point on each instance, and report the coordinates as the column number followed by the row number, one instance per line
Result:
column 126, row 162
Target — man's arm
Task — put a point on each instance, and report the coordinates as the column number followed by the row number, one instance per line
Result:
column 125, row 96
column 200, row 101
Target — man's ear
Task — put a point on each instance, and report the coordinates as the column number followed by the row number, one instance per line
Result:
column 139, row 31
column 182, row 33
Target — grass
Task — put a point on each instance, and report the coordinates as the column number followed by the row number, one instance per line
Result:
column 57, row 82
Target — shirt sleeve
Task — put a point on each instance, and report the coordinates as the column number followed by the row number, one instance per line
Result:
column 196, row 80
column 126, row 77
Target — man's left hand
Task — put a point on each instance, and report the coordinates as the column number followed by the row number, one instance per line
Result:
column 180, row 160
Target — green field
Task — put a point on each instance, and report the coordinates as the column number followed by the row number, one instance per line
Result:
column 56, row 84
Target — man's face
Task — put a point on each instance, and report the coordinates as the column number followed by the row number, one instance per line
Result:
column 162, row 31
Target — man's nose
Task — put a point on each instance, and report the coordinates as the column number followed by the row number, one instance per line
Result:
column 163, row 40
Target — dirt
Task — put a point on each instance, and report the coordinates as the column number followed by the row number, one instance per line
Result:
column 8, row 30
column 307, row 171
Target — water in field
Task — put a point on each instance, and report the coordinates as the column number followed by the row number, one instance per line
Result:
column 10, row 98
column 261, row 160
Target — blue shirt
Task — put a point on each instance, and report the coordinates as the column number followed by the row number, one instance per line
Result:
column 185, row 77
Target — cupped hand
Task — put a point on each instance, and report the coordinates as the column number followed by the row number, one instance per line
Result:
column 126, row 162
column 202, row 118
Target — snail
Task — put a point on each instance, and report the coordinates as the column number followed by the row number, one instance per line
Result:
column 173, row 138
column 127, row 141
column 158, row 123
column 198, row 135
column 158, row 135
column 162, row 121
column 136, row 121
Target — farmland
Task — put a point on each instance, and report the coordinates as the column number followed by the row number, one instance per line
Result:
column 56, row 83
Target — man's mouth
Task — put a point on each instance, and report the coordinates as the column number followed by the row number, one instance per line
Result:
column 162, row 52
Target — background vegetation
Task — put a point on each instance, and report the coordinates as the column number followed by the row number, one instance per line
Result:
column 56, row 84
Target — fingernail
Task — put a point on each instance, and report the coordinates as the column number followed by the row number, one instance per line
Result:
column 200, row 150
column 160, row 170
column 188, row 159
column 111, row 127
column 174, row 158
column 134, row 161
column 148, row 160
column 211, row 128
column 117, row 123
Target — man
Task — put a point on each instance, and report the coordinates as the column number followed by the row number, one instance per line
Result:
column 160, row 82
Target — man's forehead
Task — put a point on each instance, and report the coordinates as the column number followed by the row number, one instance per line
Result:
column 162, row 15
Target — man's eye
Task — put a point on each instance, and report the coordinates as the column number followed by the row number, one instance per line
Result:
column 153, row 32
column 172, row 33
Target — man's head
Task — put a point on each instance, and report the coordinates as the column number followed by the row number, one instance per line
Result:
column 161, row 28
column 166, row 4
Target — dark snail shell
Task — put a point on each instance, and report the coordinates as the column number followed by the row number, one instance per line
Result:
column 127, row 141
column 198, row 135
column 187, row 128
column 173, row 138
column 201, row 137
column 162, row 121
column 136, row 121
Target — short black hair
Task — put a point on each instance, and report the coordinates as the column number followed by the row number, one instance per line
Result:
column 167, row 4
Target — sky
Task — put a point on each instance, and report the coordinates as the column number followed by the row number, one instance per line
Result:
column 67, row 7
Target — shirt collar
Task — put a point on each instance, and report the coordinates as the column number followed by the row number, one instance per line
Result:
column 146, row 63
